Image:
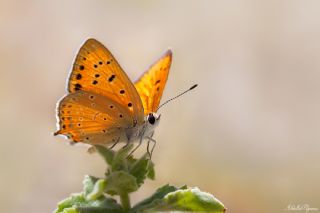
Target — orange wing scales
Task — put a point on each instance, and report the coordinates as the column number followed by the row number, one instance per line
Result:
column 151, row 84
column 96, row 70
column 85, row 116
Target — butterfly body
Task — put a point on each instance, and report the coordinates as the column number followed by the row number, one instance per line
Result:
column 103, row 106
column 144, row 131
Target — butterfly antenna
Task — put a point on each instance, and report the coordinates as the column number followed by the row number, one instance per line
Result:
column 171, row 99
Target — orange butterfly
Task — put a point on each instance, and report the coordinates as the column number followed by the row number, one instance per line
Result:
column 103, row 106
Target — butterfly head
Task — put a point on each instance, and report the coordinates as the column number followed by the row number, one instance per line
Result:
column 153, row 119
column 151, row 122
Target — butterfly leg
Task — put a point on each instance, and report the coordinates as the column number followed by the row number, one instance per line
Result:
column 154, row 141
column 126, row 145
column 140, row 142
column 111, row 147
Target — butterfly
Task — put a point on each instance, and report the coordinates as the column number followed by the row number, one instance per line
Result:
column 103, row 106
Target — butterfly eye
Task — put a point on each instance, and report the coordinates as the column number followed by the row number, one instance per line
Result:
column 151, row 119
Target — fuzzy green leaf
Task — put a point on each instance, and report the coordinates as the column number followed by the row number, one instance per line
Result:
column 120, row 182
column 77, row 203
column 156, row 197
column 191, row 199
column 195, row 200
column 140, row 169
column 98, row 189
column 88, row 184
column 119, row 161
column 151, row 173
column 70, row 210
column 101, row 205
column 70, row 202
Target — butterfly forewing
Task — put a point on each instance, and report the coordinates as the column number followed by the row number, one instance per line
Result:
column 97, row 71
column 92, row 118
column 151, row 84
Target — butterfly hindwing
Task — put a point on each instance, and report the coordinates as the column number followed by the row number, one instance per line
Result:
column 96, row 70
column 151, row 84
column 92, row 118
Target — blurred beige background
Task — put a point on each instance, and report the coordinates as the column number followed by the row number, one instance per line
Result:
column 249, row 133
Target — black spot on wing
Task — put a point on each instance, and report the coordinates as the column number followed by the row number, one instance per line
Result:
column 111, row 78
column 78, row 76
column 77, row 87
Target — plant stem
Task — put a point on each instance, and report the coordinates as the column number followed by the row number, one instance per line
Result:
column 125, row 201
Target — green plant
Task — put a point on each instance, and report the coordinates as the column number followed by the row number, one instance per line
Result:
column 125, row 175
